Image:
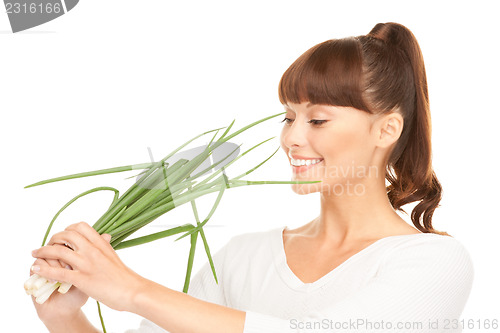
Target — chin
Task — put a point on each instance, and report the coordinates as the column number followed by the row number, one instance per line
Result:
column 303, row 189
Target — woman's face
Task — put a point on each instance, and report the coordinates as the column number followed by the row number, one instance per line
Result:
column 339, row 137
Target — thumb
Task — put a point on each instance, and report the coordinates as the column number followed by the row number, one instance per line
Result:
column 106, row 237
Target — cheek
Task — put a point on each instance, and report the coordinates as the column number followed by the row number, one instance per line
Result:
column 345, row 149
column 338, row 142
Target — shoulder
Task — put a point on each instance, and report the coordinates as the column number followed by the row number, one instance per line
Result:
column 440, row 257
column 428, row 245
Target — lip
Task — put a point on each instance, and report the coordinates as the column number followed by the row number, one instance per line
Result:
column 300, row 157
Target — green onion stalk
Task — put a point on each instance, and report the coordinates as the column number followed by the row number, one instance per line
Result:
column 160, row 188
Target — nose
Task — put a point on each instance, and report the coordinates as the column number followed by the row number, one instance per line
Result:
column 293, row 135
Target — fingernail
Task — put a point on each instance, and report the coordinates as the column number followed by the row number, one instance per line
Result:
column 35, row 268
column 33, row 253
column 68, row 267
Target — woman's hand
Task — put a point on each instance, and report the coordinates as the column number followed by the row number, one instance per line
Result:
column 59, row 306
column 97, row 271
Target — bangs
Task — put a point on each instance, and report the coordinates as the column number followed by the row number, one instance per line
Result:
column 329, row 73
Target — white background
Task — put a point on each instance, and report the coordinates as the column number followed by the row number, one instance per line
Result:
column 98, row 86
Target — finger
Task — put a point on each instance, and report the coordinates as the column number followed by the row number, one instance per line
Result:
column 92, row 236
column 61, row 263
column 54, row 263
column 55, row 273
column 38, row 262
column 50, row 262
column 71, row 239
column 64, row 265
column 35, row 281
column 107, row 237
column 61, row 253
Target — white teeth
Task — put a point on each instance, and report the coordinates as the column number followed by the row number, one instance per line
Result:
column 295, row 162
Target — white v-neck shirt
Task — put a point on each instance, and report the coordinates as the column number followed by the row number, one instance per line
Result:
column 405, row 283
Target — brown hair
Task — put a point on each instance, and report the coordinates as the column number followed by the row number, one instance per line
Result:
column 380, row 72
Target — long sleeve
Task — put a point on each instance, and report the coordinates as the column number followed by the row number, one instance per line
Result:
column 419, row 287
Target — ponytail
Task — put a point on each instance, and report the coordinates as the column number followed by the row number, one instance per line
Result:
column 409, row 170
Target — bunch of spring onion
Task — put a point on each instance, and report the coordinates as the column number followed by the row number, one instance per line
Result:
column 159, row 188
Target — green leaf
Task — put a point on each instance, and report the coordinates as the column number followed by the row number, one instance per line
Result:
column 91, row 173
column 207, row 250
column 202, row 234
column 189, row 269
column 119, row 169
column 73, row 200
column 251, row 125
column 257, row 166
column 100, row 317
column 153, row 237
column 212, row 211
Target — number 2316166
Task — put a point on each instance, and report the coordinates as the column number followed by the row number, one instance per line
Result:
column 471, row 324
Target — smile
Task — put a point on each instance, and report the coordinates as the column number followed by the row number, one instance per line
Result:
column 295, row 162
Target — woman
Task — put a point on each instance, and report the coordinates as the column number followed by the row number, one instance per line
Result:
column 357, row 114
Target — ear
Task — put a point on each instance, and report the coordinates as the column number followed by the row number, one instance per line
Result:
column 388, row 129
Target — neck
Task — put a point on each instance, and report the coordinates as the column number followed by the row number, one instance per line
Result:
column 363, row 212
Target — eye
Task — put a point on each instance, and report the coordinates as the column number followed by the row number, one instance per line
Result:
column 317, row 122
